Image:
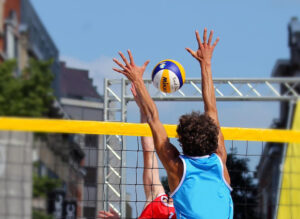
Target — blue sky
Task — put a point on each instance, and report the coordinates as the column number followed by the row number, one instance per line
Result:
column 253, row 35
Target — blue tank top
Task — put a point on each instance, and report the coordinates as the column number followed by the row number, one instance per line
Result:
column 203, row 192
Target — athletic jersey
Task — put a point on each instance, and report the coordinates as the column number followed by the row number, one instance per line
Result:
column 203, row 192
column 159, row 208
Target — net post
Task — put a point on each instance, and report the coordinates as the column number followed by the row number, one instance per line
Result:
column 123, row 153
column 285, row 145
column 105, row 153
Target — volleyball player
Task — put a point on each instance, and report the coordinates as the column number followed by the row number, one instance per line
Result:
column 158, row 204
column 198, row 179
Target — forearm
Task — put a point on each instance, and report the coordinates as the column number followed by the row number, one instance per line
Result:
column 210, row 106
column 150, row 112
column 146, row 104
column 147, row 144
column 151, row 181
column 165, row 151
column 208, row 92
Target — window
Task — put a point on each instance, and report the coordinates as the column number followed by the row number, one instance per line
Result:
column 90, row 196
column 89, row 212
column 91, row 155
column 91, row 141
column 90, row 178
column 11, row 41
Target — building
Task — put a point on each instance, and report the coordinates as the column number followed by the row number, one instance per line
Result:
column 76, row 160
column 16, row 175
column 23, row 36
column 81, row 101
column 55, row 156
column 269, row 170
column 10, row 17
column 59, row 156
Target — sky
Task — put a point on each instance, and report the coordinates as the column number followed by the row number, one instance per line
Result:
column 253, row 35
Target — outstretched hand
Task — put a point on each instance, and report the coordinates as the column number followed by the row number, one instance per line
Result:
column 205, row 49
column 108, row 215
column 130, row 70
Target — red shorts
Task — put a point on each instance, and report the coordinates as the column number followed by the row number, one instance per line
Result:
column 159, row 208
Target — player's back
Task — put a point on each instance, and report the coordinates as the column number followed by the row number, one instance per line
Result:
column 203, row 192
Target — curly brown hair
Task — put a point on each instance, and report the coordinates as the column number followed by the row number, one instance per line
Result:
column 197, row 134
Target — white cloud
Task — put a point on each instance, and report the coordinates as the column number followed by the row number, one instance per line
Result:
column 99, row 69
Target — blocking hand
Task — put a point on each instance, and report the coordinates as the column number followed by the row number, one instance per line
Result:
column 130, row 70
column 205, row 49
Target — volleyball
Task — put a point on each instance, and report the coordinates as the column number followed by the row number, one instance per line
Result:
column 168, row 76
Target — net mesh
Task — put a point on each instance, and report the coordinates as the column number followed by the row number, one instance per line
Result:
column 76, row 176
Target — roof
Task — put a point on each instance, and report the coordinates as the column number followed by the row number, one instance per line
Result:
column 75, row 83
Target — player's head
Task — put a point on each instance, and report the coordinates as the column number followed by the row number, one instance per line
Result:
column 197, row 134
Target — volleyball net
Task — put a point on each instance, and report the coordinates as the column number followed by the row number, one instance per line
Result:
column 73, row 169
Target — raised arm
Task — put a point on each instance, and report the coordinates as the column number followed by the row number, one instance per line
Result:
column 152, row 183
column 166, row 152
column 204, row 56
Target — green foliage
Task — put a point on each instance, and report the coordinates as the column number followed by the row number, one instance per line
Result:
column 42, row 185
column 40, row 215
column 28, row 95
column 244, row 194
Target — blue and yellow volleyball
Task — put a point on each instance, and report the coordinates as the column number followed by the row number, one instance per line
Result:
column 168, row 76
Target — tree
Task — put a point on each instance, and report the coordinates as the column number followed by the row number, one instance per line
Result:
column 40, row 215
column 244, row 192
column 42, row 185
column 27, row 95
column 30, row 95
